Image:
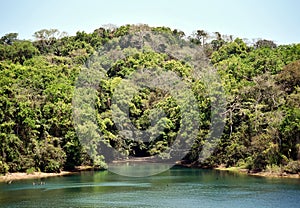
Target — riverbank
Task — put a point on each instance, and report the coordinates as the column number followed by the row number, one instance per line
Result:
column 10, row 177
column 265, row 173
column 269, row 174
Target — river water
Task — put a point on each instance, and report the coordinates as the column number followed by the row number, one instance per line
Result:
column 177, row 187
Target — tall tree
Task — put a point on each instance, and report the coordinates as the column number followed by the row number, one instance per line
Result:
column 9, row 38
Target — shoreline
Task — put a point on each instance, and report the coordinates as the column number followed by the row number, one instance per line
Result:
column 10, row 177
column 265, row 174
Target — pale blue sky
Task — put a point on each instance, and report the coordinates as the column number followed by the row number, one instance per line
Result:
column 277, row 20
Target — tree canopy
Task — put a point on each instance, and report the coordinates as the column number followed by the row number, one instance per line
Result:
column 260, row 81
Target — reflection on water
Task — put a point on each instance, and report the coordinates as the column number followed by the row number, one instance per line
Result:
column 138, row 169
column 177, row 187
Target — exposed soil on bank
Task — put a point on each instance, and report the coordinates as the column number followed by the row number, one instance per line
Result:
column 10, row 177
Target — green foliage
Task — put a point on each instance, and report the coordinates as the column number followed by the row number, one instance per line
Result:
column 289, row 77
column 290, row 133
column 9, row 38
column 293, row 167
column 274, row 169
column 3, row 167
column 262, row 116
column 261, row 83
column 235, row 48
column 30, row 170
column 18, row 51
column 49, row 156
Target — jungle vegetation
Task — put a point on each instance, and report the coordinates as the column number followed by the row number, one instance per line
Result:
column 261, row 81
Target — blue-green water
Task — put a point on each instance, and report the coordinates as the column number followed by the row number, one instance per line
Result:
column 178, row 187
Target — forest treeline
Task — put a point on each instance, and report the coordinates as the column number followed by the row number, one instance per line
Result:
column 261, row 81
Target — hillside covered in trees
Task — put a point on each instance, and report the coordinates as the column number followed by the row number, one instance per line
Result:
column 261, row 83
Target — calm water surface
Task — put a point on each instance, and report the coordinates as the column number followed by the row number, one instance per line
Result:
column 177, row 187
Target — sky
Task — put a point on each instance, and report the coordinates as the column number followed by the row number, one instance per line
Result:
column 276, row 20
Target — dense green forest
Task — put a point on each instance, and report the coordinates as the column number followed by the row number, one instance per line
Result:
column 261, row 83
